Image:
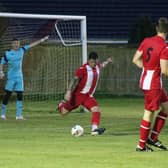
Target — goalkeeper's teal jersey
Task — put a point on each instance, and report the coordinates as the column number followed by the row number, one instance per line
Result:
column 14, row 60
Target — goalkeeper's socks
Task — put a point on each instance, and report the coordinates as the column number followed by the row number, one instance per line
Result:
column 3, row 112
column 144, row 133
column 18, row 108
column 159, row 123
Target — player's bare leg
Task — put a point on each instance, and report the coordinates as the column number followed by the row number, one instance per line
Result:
column 61, row 108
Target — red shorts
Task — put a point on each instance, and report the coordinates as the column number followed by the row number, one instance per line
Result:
column 80, row 99
column 153, row 99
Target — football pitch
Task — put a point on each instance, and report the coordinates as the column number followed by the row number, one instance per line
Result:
column 44, row 139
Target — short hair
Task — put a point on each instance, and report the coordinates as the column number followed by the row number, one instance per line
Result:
column 93, row 55
column 15, row 39
column 162, row 25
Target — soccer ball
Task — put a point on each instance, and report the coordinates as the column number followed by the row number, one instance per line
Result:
column 77, row 130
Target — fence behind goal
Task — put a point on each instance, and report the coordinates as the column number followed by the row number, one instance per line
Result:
column 49, row 66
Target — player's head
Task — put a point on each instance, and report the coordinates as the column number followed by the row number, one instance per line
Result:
column 162, row 25
column 92, row 59
column 15, row 43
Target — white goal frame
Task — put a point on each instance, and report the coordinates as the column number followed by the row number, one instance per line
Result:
column 82, row 20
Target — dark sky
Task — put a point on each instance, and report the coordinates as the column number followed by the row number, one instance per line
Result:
column 104, row 17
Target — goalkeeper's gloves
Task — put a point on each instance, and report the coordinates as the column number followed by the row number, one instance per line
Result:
column 2, row 74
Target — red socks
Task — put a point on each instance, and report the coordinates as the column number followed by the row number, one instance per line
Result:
column 144, row 133
column 95, row 118
column 158, row 125
column 145, row 129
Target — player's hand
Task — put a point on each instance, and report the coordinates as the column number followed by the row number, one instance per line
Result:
column 105, row 63
column 109, row 60
column 2, row 74
column 45, row 38
column 67, row 95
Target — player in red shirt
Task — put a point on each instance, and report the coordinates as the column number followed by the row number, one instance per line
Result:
column 81, row 90
column 152, row 57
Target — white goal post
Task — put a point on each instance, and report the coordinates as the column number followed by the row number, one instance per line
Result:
column 51, row 65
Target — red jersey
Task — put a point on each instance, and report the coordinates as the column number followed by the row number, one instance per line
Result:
column 154, row 49
column 88, row 79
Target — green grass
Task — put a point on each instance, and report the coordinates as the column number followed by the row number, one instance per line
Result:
column 44, row 139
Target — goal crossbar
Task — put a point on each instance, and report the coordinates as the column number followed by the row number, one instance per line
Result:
column 41, row 16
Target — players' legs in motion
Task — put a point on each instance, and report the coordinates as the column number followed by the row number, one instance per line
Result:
column 95, row 121
column 152, row 101
column 4, row 103
column 63, row 107
column 158, row 125
column 19, row 105
column 91, row 104
column 144, row 131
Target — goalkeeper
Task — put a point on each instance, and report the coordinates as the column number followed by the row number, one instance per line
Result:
column 14, row 58
column 81, row 90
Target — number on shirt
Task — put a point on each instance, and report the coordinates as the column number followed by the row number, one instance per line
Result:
column 149, row 50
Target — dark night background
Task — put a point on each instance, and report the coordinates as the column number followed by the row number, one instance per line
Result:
column 106, row 19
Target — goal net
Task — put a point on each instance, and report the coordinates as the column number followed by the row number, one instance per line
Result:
column 48, row 67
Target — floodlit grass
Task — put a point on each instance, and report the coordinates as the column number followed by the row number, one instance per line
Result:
column 44, row 139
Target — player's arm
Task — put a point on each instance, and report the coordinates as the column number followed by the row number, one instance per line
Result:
column 164, row 61
column 105, row 63
column 38, row 41
column 1, row 71
column 137, row 59
column 164, row 66
column 72, row 86
column 2, row 62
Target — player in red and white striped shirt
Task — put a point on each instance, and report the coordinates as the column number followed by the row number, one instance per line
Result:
column 81, row 90
column 152, row 57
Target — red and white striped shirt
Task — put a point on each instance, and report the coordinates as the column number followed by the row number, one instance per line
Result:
column 88, row 79
column 154, row 49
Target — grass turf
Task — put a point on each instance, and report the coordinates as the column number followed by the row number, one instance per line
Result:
column 44, row 139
